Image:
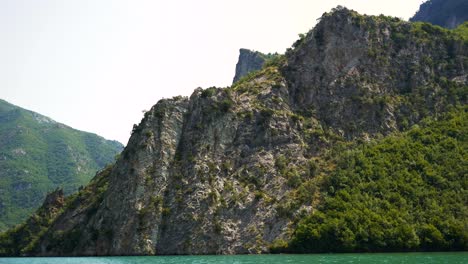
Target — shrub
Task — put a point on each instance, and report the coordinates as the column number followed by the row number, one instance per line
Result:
column 209, row 92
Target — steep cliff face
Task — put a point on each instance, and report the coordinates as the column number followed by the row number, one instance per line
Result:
column 199, row 169
column 248, row 62
column 361, row 74
column 444, row 13
column 232, row 170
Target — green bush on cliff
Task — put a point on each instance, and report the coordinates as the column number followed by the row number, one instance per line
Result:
column 462, row 30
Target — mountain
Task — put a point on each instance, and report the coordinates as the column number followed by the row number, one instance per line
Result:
column 354, row 140
column 38, row 155
column 444, row 13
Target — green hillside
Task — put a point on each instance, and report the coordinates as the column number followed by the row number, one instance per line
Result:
column 405, row 192
column 38, row 155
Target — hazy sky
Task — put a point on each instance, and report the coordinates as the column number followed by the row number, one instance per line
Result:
column 95, row 65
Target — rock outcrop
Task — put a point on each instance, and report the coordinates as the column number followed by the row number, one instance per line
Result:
column 248, row 62
column 352, row 71
column 444, row 13
column 229, row 171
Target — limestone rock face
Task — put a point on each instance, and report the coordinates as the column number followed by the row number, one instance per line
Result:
column 195, row 178
column 248, row 61
column 349, row 69
column 444, row 13
column 229, row 171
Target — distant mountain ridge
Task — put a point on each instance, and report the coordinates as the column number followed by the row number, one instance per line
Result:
column 444, row 13
column 38, row 154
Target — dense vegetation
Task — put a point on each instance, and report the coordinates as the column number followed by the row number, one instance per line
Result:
column 440, row 12
column 38, row 155
column 462, row 30
column 24, row 237
column 406, row 192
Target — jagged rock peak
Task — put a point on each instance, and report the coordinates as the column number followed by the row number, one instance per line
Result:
column 55, row 199
column 53, row 203
column 248, row 61
column 348, row 59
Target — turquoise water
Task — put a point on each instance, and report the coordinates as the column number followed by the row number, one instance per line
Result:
column 458, row 257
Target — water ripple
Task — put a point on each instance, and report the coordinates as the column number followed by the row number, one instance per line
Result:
column 427, row 258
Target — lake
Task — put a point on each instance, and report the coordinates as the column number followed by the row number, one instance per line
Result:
column 443, row 257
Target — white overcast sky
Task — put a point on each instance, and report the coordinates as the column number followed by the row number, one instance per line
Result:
column 96, row 64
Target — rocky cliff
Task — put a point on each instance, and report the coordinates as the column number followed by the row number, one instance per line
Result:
column 233, row 170
column 444, row 13
column 248, row 62
column 361, row 75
